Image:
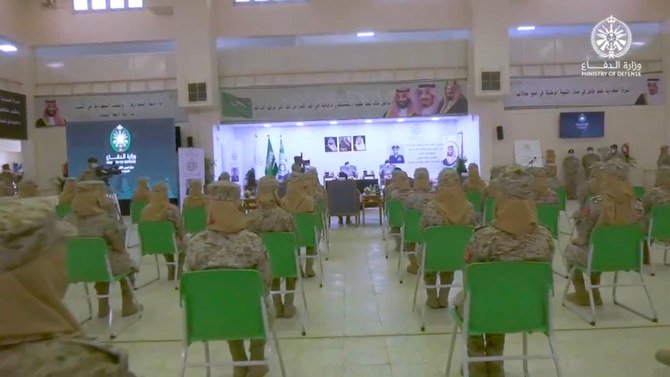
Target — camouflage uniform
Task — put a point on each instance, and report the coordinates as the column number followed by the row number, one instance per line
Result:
column 552, row 180
column 571, row 174
column 658, row 195
column 89, row 174
column 6, row 183
column 547, row 196
column 588, row 160
column 268, row 218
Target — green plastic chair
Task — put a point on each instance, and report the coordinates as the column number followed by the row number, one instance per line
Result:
column 549, row 216
column 475, row 197
column 283, row 254
column 659, row 229
column 639, row 191
column 613, row 249
column 63, row 210
column 321, row 228
column 220, row 305
column 87, row 262
column 307, row 236
column 135, row 216
column 489, row 308
column 158, row 238
column 443, row 250
column 195, row 219
column 394, row 219
column 410, row 233
column 489, row 210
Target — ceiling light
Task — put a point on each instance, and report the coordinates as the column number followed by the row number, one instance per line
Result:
column 400, row 120
column 333, row 122
column 639, row 43
column 8, row 48
column 266, row 125
column 300, row 124
column 55, row 65
column 365, row 34
column 525, row 28
column 368, row 121
column 434, row 118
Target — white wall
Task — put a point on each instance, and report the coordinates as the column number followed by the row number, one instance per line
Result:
column 10, row 151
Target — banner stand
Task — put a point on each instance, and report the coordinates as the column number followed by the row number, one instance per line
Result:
column 191, row 166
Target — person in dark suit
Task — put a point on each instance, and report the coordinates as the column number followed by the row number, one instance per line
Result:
column 454, row 101
column 396, row 157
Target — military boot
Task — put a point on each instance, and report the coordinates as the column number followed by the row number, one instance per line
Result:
column 238, row 354
column 289, row 308
column 495, row 346
column 180, row 269
column 663, row 356
column 169, row 258
column 309, row 264
column 476, row 348
column 103, row 302
column 128, row 306
column 257, row 352
column 445, row 278
column 580, row 296
column 276, row 298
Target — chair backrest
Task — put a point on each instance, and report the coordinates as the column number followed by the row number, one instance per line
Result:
column 660, row 223
column 489, row 210
column 305, row 229
column 63, row 210
column 222, row 305
column 136, row 211
column 157, row 237
column 616, row 248
column 508, row 297
column 444, row 247
column 475, row 197
column 412, row 226
column 562, row 195
column 395, row 209
column 344, row 199
column 281, row 247
column 547, row 215
column 195, row 219
column 87, row 260
column 639, row 191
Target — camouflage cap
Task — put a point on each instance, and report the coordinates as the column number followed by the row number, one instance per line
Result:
column 516, row 182
column 448, row 177
column 224, row 191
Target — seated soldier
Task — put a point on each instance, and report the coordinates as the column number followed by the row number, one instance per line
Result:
column 543, row 194
column 142, row 192
column 474, row 182
column 297, row 201
column 67, row 195
column 28, row 189
column 195, row 197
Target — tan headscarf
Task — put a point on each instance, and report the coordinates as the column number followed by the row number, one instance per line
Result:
column 402, row 182
column 67, row 195
column 195, row 197
column 28, row 189
column 224, row 177
column 551, row 157
column 142, row 192
column 395, row 175
column 450, row 199
column 474, row 181
column 296, row 199
column 422, row 180
column 540, row 186
column 616, row 207
column 88, row 200
column 267, row 195
column 515, row 202
column 552, row 170
column 223, row 203
column 158, row 205
column 33, row 278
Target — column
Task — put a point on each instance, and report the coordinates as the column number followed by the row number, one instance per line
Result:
column 29, row 154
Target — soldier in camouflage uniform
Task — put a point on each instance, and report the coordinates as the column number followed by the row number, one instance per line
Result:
column 314, row 189
column 552, row 180
column 474, row 182
column 224, row 177
column 195, row 197
column 613, row 194
column 67, row 195
column 588, row 160
column 449, row 206
column 571, row 174
column 663, row 160
column 28, row 189
column 491, row 188
column 297, row 201
column 543, row 194
column 90, row 173
column 659, row 195
column 270, row 217
column 142, row 192
column 39, row 337
column 390, row 185
column 550, row 157
column 514, row 236
column 226, row 243
column 160, row 209
column 422, row 193
column 7, row 181
column 400, row 191
column 91, row 220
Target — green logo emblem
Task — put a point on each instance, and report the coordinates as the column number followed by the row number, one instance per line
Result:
column 120, row 139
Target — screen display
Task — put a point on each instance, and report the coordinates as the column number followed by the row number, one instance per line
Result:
column 13, row 116
column 138, row 148
column 582, row 125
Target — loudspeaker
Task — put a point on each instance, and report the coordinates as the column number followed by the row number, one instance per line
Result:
column 499, row 132
column 177, row 136
column 189, row 142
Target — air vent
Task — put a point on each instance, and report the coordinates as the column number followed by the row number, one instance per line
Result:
column 197, row 92
column 491, row 81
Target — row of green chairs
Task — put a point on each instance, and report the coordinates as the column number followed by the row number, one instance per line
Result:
column 659, row 231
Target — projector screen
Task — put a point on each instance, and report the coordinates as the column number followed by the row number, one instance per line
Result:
column 582, row 125
column 140, row 148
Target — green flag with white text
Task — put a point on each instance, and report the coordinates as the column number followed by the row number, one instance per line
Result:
column 271, row 168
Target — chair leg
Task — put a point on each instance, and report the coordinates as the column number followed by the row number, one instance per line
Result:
column 88, row 303
column 525, row 353
column 279, row 355
column 176, row 270
column 654, row 316
column 592, row 304
column 110, row 318
column 209, row 367
column 454, row 333
column 571, row 307
column 184, row 358
column 416, row 289
column 304, row 313
column 320, row 267
column 554, row 355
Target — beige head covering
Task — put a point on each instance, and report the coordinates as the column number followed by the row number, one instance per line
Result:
column 601, row 169
column 402, row 182
column 28, row 189
column 663, row 177
column 551, row 170
column 296, row 199
column 540, row 186
column 395, row 175
column 158, row 205
column 475, row 181
column 223, row 214
column 551, row 157
column 33, row 278
column 195, row 197
column 422, row 180
column 616, row 207
column 515, row 202
column 450, row 199
column 67, row 195
column 142, row 191
column 224, row 177
column 267, row 195
column 88, row 200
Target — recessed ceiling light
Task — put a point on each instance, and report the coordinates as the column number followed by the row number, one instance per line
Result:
column 365, row 34
column 434, row 118
column 333, row 122
column 639, row 43
column 8, row 48
column 266, row 125
column 368, row 121
column 300, row 124
column 55, row 65
column 525, row 28
column 400, row 120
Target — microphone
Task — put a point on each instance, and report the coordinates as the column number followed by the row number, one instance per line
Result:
column 532, row 161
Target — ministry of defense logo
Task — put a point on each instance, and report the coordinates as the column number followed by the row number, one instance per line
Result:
column 611, row 38
column 120, row 139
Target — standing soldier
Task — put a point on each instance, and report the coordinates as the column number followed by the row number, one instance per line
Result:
column 571, row 174
column 588, row 160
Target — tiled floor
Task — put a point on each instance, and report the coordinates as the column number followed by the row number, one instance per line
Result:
column 361, row 324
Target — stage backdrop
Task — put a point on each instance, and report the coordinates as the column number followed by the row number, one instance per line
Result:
column 140, row 148
column 425, row 143
column 537, row 92
column 13, row 116
column 346, row 101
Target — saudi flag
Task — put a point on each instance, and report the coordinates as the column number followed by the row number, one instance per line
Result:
column 270, row 162
column 283, row 163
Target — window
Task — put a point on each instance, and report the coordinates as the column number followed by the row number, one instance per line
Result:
column 95, row 5
column 267, row 1
column 491, row 81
